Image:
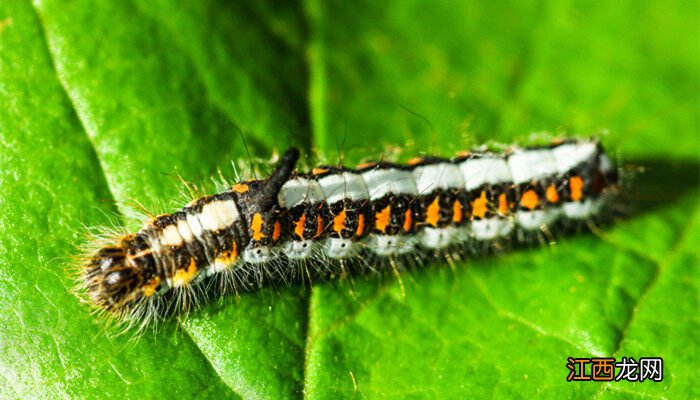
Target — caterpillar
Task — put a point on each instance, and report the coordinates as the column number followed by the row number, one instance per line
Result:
column 333, row 218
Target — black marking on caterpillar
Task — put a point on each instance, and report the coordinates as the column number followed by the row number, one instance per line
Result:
column 333, row 218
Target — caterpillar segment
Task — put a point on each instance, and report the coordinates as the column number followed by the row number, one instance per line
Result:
column 255, row 230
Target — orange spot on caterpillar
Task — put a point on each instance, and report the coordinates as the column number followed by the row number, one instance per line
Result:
column 320, row 226
column 319, row 171
column 408, row 221
column 366, row 165
column 339, row 222
column 415, row 161
column 479, row 206
column 256, row 226
column 360, row 225
column 576, row 186
column 276, row 231
column 529, row 199
column 382, row 219
column 149, row 289
column 457, row 212
column 299, row 226
column 184, row 276
column 552, row 195
column 227, row 258
column 240, row 188
column 557, row 141
column 432, row 214
column 502, row 204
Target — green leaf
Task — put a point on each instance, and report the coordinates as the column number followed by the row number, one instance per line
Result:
column 109, row 100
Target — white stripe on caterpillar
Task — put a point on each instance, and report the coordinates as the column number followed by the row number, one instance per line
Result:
column 487, row 170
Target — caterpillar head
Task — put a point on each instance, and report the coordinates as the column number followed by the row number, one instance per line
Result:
column 259, row 206
column 117, row 276
column 111, row 279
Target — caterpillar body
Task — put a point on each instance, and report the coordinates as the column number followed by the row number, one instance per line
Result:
column 332, row 217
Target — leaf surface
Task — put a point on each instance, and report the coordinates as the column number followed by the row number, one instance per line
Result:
column 111, row 100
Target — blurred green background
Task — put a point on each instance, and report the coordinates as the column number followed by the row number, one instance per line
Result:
column 105, row 101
